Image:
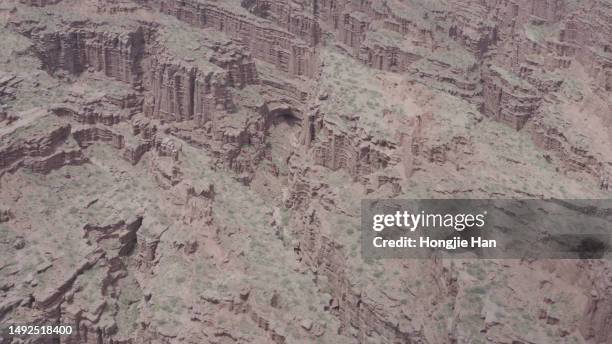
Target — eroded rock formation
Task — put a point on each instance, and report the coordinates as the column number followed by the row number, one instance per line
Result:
column 190, row 171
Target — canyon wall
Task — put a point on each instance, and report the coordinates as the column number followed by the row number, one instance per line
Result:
column 279, row 48
column 116, row 55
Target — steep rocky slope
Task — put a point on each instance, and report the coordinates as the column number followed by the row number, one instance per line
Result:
column 191, row 171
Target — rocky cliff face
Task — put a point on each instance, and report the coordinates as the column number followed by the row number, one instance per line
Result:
column 190, row 171
column 265, row 42
column 74, row 50
column 183, row 93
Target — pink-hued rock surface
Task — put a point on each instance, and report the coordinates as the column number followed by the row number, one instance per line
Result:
column 190, row 171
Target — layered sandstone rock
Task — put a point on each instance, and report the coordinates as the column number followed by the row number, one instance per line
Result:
column 42, row 151
column 265, row 42
column 204, row 161
column 338, row 150
column 508, row 99
column 184, row 92
column 75, row 50
column 297, row 18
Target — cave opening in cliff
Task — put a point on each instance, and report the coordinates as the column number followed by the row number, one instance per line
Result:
column 286, row 117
